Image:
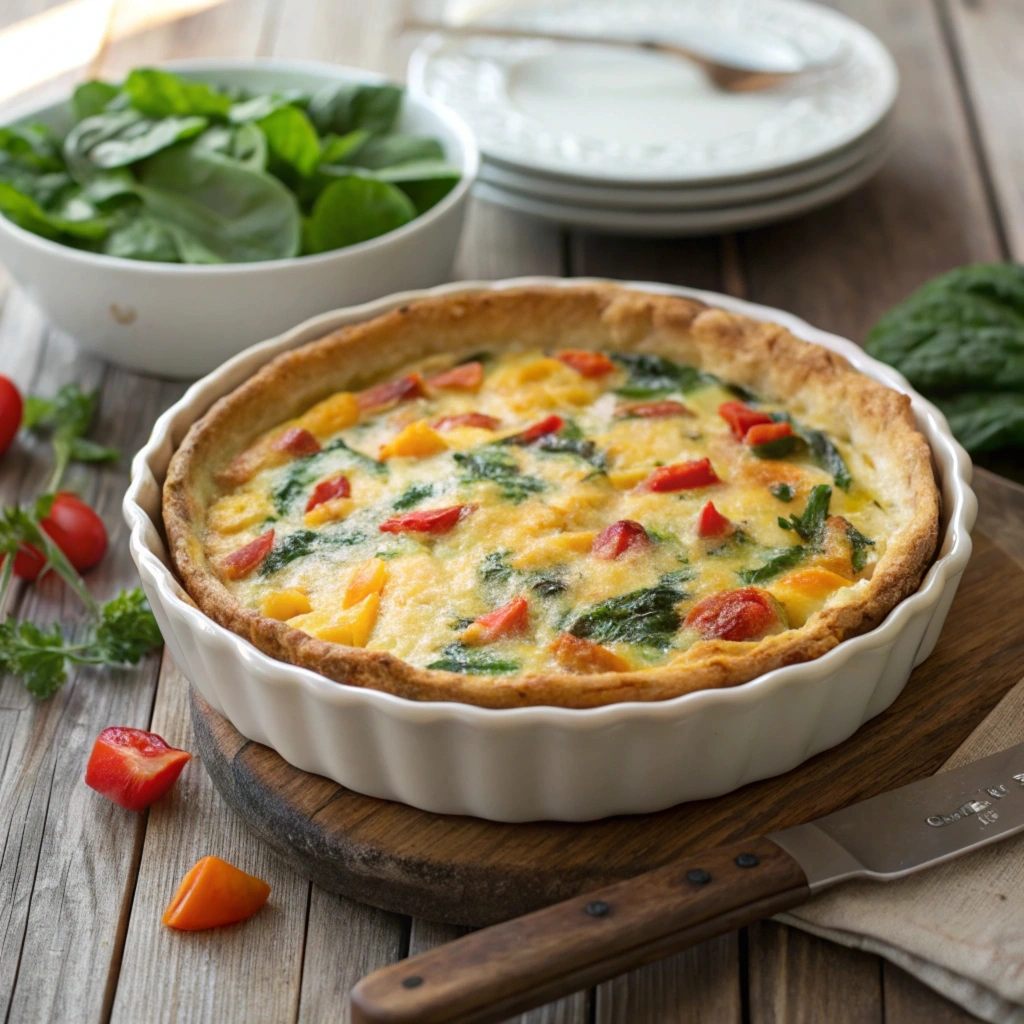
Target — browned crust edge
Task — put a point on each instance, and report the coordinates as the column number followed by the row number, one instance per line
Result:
column 762, row 356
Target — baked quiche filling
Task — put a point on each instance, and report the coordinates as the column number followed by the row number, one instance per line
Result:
column 528, row 511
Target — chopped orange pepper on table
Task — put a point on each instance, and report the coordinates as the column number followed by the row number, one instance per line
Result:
column 215, row 893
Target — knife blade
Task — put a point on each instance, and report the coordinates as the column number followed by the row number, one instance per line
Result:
column 494, row 973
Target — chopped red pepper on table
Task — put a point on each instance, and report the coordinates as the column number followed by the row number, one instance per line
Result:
column 133, row 768
column 215, row 893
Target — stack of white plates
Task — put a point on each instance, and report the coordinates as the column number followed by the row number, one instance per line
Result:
column 628, row 141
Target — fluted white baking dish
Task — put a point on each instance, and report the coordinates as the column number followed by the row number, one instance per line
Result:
column 544, row 762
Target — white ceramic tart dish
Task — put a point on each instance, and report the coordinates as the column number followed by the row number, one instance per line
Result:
column 525, row 763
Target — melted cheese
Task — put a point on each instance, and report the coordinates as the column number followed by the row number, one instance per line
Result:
column 532, row 530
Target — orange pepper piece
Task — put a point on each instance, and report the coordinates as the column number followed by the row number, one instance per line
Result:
column 214, row 893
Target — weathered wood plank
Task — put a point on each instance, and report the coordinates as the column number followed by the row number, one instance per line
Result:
column 796, row 978
column 988, row 35
column 69, row 856
column 244, row 973
column 908, row 1001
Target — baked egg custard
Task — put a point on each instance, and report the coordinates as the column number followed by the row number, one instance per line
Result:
column 604, row 499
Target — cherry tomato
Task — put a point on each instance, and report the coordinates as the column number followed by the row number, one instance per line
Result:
column 747, row 614
column 11, row 407
column 75, row 529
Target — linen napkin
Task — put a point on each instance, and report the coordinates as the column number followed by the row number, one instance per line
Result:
column 959, row 928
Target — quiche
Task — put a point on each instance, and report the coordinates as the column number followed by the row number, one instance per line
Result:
column 570, row 495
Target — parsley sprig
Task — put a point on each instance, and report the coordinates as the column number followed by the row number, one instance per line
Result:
column 121, row 631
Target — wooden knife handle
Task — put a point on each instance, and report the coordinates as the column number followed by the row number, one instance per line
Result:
column 500, row 971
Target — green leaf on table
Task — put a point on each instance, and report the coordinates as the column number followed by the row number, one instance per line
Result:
column 84, row 450
column 985, row 421
column 36, row 656
column 960, row 339
column 127, row 630
column 158, row 93
column 92, row 98
column 344, row 107
column 292, row 139
column 354, row 209
column 220, row 207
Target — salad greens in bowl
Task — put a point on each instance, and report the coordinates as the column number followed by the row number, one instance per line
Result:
column 170, row 220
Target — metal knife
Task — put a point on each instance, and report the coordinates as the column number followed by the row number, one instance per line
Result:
column 500, row 971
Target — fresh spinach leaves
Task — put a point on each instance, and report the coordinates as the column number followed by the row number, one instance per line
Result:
column 960, row 340
column 166, row 168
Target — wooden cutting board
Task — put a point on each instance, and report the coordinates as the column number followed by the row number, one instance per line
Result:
column 473, row 872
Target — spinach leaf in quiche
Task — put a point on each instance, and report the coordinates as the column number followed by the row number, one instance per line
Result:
column 495, row 568
column 784, row 492
column 304, row 471
column 412, row 496
column 960, row 340
column 779, row 561
column 860, row 544
column 822, row 449
column 457, row 657
column 302, row 543
column 654, row 375
column 810, row 525
column 648, row 617
column 490, row 463
column 560, row 444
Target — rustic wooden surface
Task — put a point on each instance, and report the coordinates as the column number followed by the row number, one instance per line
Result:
column 82, row 883
column 470, row 872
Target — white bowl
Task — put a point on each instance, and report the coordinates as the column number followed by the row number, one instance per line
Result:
column 537, row 763
column 181, row 321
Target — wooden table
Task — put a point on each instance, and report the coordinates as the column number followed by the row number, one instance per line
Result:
column 82, row 883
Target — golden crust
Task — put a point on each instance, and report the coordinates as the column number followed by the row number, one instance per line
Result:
column 761, row 356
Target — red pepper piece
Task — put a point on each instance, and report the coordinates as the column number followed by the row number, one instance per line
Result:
column 467, row 419
column 243, row 561
column 296, row 441
column 391, row 391
column 682, row 476
column 711, row 522
column 435, row 520
column 747, row 614
column 653, row 410
column 576, row 654
column 585, row 363
column 215, row 893
column 763, row 433
column 467, row 377
column 133, row 768
column 332, row 487
column 548, row 425
column 617, row 539
column 508, row 620
column 741, row 417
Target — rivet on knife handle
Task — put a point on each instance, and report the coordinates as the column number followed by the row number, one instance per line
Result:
column 497, row 972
